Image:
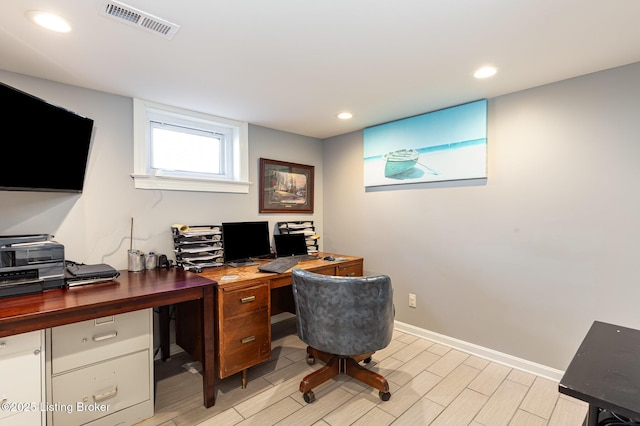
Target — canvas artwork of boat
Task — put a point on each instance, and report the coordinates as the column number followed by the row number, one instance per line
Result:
column 399, row 162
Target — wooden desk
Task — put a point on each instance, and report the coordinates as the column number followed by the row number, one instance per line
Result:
column 129, row 292
column 244, row 305
column 605, row 372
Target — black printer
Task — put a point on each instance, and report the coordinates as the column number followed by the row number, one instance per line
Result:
column 30, row 264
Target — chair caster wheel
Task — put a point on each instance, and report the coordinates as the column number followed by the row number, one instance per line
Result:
column 309, row 397
column 311, row 360
column 367, row 360
column 385, row 395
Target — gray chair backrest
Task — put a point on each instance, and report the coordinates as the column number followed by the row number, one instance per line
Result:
column 343, row 315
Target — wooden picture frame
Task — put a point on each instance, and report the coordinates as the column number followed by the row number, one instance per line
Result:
column 285, row 187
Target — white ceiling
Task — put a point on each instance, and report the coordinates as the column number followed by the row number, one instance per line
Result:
column 292, row 65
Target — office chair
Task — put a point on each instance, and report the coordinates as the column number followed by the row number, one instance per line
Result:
column 343, row 320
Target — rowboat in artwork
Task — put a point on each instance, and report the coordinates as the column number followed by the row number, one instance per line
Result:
column 400, row 161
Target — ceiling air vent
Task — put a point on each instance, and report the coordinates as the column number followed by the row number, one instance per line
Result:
column 132, row 16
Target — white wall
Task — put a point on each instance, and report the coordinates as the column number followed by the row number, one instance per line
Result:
column 525, row 261
column 95, row 226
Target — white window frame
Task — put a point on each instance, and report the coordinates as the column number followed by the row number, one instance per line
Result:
column 237, row 157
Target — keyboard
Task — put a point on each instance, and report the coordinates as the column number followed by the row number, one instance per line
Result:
column 301, row 257
column 279, row 265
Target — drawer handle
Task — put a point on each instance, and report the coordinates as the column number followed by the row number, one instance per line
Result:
column 248, row 299
column 105, row 395
column 106, row 336
column 3, row 345
column 248, row 339
column 351, row 274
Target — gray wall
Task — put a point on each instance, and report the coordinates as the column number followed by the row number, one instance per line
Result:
column 95, row 226
column 525, row 261
column 521, row 263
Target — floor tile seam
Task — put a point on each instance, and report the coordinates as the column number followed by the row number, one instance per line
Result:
column 413, row 357
column 454, row 369
column 524, row 398
column 489, row 399
column 547, row 419
column 475, row 415
column 266, row 408
column 331, row 388
column 266, row 390
column 505, row 378
column 537, row 415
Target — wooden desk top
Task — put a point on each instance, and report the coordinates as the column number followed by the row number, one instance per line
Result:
column 130, row 291
column 220, row 274
column 605, row 371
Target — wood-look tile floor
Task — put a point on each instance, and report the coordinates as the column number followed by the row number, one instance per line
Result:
column 430, row 384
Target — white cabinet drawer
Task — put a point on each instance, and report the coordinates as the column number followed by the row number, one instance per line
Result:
column 102, row 389
column 21, row 384
column 30, row 418
column 19, row 343
column 87, row 342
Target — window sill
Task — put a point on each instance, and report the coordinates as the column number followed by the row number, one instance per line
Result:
column 190, row 184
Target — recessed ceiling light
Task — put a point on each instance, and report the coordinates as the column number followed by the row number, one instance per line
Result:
column 49, row 21
column 345, row 115
column 485, row 72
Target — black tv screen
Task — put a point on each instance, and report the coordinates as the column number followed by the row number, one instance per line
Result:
column 44, row 147
column 245, row 240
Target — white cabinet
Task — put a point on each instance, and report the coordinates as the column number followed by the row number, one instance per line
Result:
column 101, row 371
column 22, row 379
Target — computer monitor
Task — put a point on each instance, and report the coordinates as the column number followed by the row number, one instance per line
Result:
column 290, row 244
column 245, row 240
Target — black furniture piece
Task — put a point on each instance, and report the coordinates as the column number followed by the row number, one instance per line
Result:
column 343, row 320
column 605, row 372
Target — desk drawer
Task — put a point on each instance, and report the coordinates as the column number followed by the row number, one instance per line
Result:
column 349, row 270
column 246, row 341
column 245, row 299
column 281, row 282
column 325, row 270
column 87, row 342
column 103, row 389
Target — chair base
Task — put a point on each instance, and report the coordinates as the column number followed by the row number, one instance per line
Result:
column 335, row 365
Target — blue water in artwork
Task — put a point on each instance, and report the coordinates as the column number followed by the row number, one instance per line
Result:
column 448, row 144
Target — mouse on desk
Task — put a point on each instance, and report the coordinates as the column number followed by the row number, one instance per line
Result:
column 329, row 258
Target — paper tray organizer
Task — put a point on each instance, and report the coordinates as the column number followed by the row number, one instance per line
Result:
column 197, row 247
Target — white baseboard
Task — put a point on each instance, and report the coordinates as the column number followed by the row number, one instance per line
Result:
column 482, row 352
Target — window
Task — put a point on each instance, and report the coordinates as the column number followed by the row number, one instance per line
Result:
column 185, row 150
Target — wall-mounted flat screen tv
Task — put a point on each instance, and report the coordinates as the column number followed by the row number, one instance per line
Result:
column 244, row 241
column 44, row 147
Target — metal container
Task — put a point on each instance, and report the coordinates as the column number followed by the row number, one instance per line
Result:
column 136, row 261
column 150, row 260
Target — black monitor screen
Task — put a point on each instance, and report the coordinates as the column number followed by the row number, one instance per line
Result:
column 244, row 240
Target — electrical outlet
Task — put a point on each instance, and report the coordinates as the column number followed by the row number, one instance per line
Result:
column 412, row 300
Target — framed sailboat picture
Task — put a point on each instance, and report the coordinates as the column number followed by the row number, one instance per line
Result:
column 285, row 187
column 443, row 145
